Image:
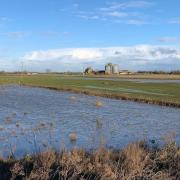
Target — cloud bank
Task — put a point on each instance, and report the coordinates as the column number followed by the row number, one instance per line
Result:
column 133, row 58
column 141, row 57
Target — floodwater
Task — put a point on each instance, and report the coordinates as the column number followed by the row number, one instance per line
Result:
column 177, row 81
column 32, row 119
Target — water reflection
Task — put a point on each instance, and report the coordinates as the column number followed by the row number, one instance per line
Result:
column 32, row 119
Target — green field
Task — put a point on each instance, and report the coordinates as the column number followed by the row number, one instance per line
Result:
column 163, row 93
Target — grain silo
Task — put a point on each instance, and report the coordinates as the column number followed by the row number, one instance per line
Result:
column 115, row 69
column 108, row 69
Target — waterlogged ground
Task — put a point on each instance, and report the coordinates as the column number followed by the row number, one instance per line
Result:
column 32, row 119
column 131, row 80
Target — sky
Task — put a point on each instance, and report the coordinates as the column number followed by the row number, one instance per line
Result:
column 69, row 35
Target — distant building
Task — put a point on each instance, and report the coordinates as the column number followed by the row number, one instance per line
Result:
column 108, row 68
column 111, row 68
column 115, row 69
column 88, row 70
column 101, row 72
column 124, row 72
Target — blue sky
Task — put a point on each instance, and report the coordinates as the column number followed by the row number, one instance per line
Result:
column 69, row 35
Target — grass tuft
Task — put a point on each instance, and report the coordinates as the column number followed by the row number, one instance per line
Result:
column 73, row 136
column 99, row 104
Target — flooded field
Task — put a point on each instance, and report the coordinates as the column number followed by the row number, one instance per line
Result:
column 32, row 119
column 125, row 79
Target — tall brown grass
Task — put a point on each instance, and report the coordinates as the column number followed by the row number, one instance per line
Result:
column 99, row 103
column 136, row 161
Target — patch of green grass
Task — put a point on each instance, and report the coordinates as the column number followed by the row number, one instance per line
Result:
column 157, row 93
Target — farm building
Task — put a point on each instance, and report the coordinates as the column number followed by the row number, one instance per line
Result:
column 111, row 68
column 88, row 70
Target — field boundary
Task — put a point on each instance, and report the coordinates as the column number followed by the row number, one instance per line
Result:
column 109, row 95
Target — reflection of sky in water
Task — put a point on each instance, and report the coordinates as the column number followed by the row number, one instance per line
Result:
column 33, row 118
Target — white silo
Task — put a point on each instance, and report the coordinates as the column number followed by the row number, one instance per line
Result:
column 108, row 69
column 115, row 69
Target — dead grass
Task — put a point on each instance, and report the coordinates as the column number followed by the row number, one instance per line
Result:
column 99, row 103
column 73, row 136
column 136, row 161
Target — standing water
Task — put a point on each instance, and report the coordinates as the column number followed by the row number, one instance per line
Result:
column 32, row 119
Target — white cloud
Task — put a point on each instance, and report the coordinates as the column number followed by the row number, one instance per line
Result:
column 82, row 54
column 115, row 17
column 127, row 5
column 140, row 57
column 117, row 14
column 74, row 53
column 129, row 12
column 132, row 57
column 89, row 17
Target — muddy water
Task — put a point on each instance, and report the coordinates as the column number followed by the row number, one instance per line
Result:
column 32, row 119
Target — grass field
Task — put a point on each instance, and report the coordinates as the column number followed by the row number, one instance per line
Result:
column 144, row 76
column 156, row 93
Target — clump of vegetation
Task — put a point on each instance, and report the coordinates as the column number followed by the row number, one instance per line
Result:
column 99, row 104
column 73, row 136
column 8, row 120
column 136, row 161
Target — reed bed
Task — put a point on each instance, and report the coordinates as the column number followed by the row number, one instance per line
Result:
column 135, row 161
